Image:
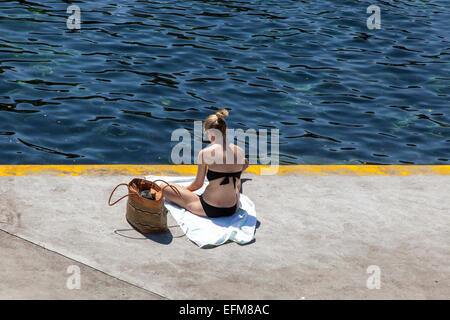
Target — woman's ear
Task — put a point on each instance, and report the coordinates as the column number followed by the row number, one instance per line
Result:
column 210, row 136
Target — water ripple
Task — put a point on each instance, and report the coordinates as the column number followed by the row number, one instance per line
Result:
column 114, row 91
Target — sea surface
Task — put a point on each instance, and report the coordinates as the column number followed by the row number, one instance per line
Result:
column 114, row 91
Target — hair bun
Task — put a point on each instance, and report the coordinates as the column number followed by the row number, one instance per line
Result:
column 222, row 113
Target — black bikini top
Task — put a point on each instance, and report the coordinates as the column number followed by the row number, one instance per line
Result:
column 212, row 175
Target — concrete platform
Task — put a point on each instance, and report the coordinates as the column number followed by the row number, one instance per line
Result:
column 28, row 271
column 317, row 236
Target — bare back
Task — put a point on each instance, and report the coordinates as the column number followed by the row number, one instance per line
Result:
column 232, row 159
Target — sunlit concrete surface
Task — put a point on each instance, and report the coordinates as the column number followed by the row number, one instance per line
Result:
column 28, row 271
column 317, row 236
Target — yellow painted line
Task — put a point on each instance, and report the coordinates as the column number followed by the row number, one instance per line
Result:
column 140, row 170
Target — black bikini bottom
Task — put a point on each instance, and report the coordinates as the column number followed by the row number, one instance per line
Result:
column 215, row 212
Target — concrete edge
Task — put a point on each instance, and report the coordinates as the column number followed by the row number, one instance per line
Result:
column 186, row 170
column 81, row 262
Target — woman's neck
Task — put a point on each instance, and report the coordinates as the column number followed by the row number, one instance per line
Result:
column 223, row 144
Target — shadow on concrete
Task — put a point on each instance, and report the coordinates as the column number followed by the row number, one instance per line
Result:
column 244, row 180
column 257, row 221
column 160, row 237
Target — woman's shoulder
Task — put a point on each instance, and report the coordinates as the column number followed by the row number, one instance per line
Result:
column 235, row 147
column 208, row 149
column 239, row 154
column 218, row 146
column 208, row 154
column 238, row 150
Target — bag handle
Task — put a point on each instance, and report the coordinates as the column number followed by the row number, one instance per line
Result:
column 175, row 189
column 109, row 201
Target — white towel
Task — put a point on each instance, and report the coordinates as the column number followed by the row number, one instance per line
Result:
column 210, row 232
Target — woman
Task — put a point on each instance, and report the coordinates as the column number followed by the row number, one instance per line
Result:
column 222, row 163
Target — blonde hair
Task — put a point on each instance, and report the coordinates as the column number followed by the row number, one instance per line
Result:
column 217, row 121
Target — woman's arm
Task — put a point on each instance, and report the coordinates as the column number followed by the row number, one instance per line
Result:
column 201, row 173
column 246, row 164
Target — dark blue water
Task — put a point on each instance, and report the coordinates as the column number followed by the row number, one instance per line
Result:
column 114, row 91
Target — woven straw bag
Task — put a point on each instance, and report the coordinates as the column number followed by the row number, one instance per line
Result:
column 146, row 215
